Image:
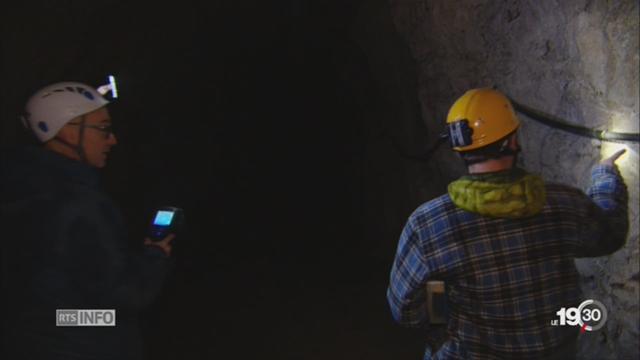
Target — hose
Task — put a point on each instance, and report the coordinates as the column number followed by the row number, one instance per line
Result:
column 537, row 115
column 558, row 123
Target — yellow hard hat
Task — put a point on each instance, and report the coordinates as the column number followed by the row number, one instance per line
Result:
column 479, row 118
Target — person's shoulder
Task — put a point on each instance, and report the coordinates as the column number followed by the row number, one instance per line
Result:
column 21, row 175
column 433, row 208
column 562, row 190
column 565, row 196
column 438, row 203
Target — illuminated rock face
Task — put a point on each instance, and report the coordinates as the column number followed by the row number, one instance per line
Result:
column 577, row 60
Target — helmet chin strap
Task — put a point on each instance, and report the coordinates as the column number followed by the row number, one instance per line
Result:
column 79, row 148
column 506, row 149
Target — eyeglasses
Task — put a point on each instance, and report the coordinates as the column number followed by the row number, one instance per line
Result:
column 106, row 129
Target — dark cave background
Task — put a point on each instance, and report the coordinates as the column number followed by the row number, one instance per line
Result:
column 251, row 116
column 289, row 131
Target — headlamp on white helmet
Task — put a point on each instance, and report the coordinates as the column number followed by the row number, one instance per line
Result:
column 111, row 86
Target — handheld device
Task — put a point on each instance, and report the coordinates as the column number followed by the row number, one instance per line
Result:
column 166, row 220
column 436, row 302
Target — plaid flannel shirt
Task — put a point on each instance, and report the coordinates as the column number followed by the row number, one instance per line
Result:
column 506, row 278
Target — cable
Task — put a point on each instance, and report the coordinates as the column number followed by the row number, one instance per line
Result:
column 537, row 115
column 559, row 123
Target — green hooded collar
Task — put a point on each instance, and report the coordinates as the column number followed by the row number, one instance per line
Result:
column 511, row 194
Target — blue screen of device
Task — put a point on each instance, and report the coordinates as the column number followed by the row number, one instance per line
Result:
column 163, row 218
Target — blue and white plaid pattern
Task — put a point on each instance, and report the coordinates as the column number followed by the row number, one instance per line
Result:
column 506, row 278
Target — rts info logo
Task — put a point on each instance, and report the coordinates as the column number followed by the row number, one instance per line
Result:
column 85, row 317
column 590, row 316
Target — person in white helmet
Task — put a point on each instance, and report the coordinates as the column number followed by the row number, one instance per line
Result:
column 68, row 245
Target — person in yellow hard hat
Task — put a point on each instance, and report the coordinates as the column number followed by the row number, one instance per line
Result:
column 504, row 243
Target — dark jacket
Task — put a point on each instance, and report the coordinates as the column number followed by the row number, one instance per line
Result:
column 64, row 246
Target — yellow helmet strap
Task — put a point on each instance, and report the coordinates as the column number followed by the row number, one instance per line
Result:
column 506, row 150
column 460, row 133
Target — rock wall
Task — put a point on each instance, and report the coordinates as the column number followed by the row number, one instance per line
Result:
column 577, row 60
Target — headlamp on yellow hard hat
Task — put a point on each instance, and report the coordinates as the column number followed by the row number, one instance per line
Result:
column 479, row 118
column 460, row 134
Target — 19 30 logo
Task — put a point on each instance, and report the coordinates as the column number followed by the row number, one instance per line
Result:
column 590, row 315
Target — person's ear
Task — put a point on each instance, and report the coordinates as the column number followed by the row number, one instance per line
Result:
column 68, row 134
column 513, row 141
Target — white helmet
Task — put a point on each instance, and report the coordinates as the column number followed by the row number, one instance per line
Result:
column 51, row 107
